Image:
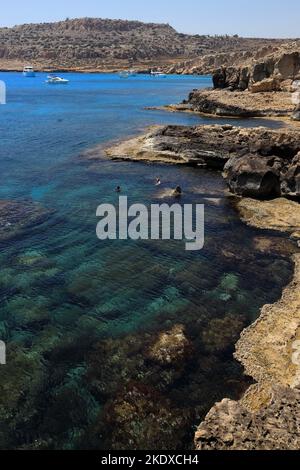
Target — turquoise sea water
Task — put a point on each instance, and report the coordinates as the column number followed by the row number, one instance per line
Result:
column 79, row 316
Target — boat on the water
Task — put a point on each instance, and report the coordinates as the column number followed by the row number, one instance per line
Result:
column 127, row 73
column 157, row 73
column 28, row 71
column 54, row 80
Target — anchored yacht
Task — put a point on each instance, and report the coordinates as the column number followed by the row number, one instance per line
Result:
column 28, row 71
column 53, row 80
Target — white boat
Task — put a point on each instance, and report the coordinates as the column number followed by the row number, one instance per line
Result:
column 124, row 74
column 127, row 73
column 28, row 71
column 157, row 73
column 53, row 80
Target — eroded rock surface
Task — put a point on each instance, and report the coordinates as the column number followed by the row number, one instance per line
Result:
column 257, row 162
column 279, row 214
column 237, row 104
column 230, row 426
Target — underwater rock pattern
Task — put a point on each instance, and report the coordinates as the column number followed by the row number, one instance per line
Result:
column 143, row 419
column 171, row 347
column 17, row 216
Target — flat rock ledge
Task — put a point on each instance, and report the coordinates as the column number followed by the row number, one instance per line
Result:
column 257, row 162
column 268, row 415
column 279, row 214
column 241, row 104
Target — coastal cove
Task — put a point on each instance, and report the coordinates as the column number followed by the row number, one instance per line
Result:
column 127, row 345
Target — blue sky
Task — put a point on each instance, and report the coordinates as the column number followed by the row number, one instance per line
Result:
column 264, row 18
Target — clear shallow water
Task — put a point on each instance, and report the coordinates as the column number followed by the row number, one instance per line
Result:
column 80, row 316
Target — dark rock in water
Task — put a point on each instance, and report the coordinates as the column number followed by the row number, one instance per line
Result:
column 17, row 216
column 230, row 426
column 141, row 418
column 254, row 176
column 171, row 347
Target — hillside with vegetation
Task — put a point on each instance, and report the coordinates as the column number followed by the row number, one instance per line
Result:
column 102, row 44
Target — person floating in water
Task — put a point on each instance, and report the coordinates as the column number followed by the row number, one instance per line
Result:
column 177, row 192
column 118, row 189
column 157, row 182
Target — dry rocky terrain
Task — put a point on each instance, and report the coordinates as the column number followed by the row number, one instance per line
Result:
column 102, row 44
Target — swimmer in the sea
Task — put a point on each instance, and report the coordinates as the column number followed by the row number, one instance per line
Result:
column 177, row 192
column 157, row 182
column 118, row 189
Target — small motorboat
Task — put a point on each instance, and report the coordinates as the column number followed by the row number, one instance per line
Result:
column 28, row 71
column 127, row 73
column 124, row 74
column 54, row 80
column 157, row 73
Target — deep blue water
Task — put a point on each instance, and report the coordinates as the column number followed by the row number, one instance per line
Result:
column 80, row 316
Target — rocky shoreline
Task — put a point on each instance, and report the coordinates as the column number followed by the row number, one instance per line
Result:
column 258, row 164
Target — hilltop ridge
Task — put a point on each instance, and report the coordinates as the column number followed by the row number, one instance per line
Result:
column 104, row 44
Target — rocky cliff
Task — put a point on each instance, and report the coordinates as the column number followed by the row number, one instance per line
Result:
column 262, row 74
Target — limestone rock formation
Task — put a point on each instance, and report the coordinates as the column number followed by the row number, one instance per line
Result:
column 236, row 104
column 230, row 426
column 262, row 74
column 257, row 162
column 280, row 214
column 254, row 176
column 266, row 85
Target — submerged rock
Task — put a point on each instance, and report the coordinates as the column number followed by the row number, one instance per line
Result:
column 171, row 347
column 15, row 217
column 140, row 418
column 221, row 333
column 280, row 214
